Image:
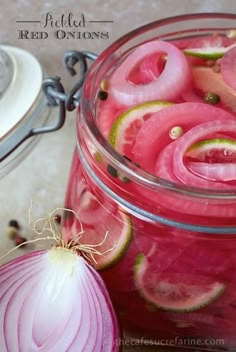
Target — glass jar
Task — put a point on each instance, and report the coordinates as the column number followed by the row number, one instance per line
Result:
column 151, row 237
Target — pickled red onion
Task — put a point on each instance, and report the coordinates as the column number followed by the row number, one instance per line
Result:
column 155, row 131
column 197, row 133
column 54, row 301
column 197, row 206
column 164, row 163
column 168, row 86
column 148, row 70
column 108, row 112
column 206, row 80
column 228, row 68
column 215, row 172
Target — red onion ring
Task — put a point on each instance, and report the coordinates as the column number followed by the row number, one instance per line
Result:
column 172, row 81
column 215, row 172
column 189, row 138
column 155, row 130
column 228, row 68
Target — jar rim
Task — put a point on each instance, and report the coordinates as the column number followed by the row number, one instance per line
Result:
column 102, row 145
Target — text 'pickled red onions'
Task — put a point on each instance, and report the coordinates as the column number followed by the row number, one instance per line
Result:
column 55, row 301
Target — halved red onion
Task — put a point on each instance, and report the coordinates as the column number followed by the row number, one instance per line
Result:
column 228, row 68
column 55, row 301
column 167, row 86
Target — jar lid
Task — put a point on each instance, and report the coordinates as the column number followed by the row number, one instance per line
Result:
column 20, row 86
column 23, row 105
column 26, row 99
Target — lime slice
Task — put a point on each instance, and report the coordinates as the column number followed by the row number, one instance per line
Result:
column 111, row 237
column 124, row 130
column 171, row 291
column 218, row 150
column 208, row 53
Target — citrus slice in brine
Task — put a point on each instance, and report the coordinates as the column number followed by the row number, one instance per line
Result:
column 217, row 150
column 208, row 52
column 109, row 238
column 124, row 130
column 175, row 291
column 213, row 159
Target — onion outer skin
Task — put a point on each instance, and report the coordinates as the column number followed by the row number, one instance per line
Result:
column 53, row 300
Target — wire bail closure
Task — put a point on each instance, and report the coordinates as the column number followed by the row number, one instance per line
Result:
column 56, row 96
column 55, row 92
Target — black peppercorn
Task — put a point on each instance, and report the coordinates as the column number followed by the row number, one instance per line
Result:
column 112, row 171
column 14, row 223
column 102, row 95
column 211, row 98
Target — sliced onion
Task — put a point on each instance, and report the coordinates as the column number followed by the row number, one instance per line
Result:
column 168, row 86
column 89, row 206
column 155, row 130
column 190, row 96
column 55, row 301
column 169, row 160
column 195, row 134
column 214, row 172
column 164, row 163
column 107, row 112
column 228, row 68
column 164, row 169
column 148, row 70
column 205, row 80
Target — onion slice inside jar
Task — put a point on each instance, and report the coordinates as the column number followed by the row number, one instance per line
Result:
column 215, row 172
column 228, row 68
column 196, row 134
column 171, row 82
column 153, row 136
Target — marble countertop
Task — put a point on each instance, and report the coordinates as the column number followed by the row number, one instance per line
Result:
column 42, row 176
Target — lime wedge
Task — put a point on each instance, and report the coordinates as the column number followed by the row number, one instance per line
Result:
column 208, row 53
column 124, row 130
column 171, row 291
column 218, row 150
column 113, row 236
